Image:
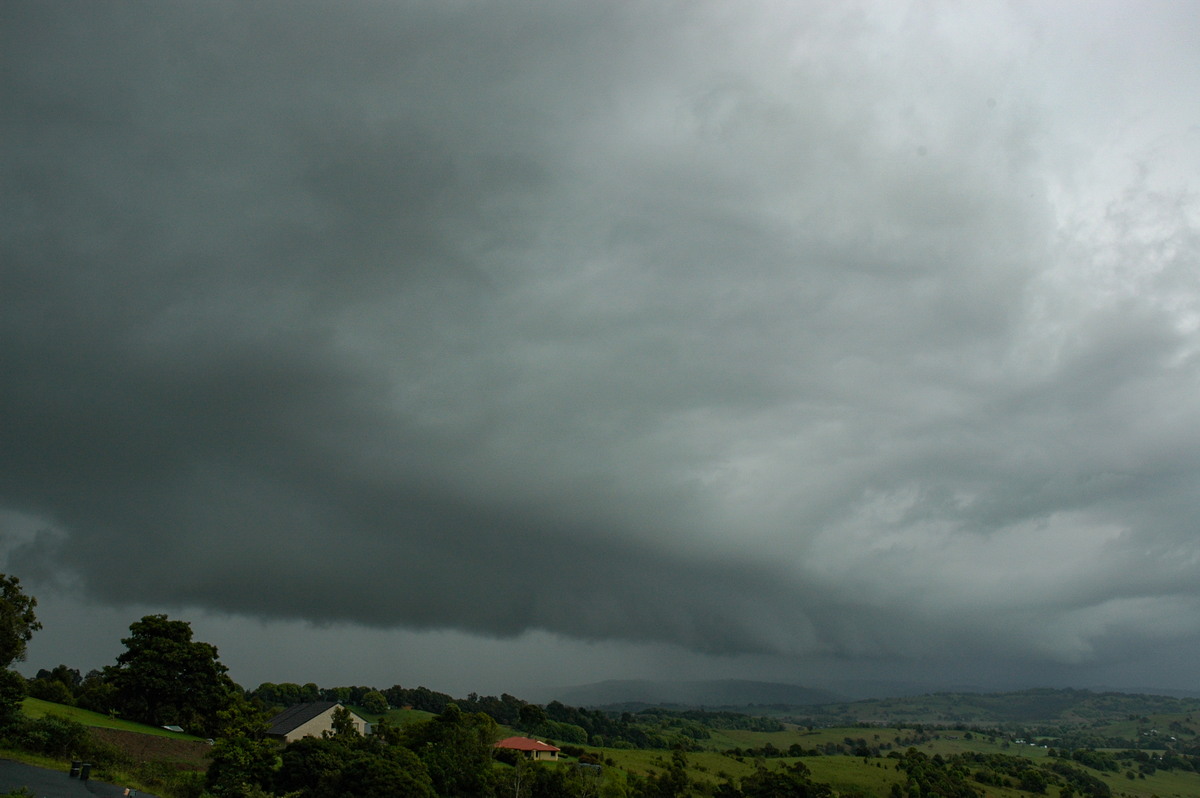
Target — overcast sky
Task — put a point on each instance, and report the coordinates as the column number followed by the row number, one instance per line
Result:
column 488, row 345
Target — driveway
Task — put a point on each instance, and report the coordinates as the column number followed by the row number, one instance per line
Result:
column 54, row 783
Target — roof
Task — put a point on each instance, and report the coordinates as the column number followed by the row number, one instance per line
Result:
column 296, row 716
column 525, row 744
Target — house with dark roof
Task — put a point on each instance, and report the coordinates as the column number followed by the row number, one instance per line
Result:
column 529, row 747
column 310, row 720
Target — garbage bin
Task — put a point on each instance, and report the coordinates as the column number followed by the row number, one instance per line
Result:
column 85, row 771
column 75, row 766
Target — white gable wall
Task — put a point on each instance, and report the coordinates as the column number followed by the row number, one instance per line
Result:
column 321, row 724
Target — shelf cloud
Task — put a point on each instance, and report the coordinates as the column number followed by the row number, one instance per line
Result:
column 781, row 331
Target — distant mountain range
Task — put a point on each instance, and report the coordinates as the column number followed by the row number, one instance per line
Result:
column 722, row 693
column 858, row 700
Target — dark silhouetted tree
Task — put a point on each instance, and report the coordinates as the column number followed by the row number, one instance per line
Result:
column 375, row 702
column 164, row 677
column 17, row 620
column 456, row 748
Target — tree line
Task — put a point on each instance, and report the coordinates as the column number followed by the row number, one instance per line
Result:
column 165, row 677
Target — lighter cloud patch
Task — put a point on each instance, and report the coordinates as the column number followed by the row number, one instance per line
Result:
column 28, row 543
column 1032, row 563
column 1075, row 637
column 1129, row 228
column 18, row 529
column 941, row 569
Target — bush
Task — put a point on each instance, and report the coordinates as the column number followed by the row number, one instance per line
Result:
column 12, row 693
column 59, row 737
column 53, row 736
column 375, row 702
column 51, row 690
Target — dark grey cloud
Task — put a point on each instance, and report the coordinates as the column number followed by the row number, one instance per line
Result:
column 776, row 331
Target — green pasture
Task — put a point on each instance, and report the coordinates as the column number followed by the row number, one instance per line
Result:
column 847, row 775
column 1164, row 784
column 850, row 775
column 396, row 717
column 942, row 742
column 36, row 708
column 1187, row 727
column 724, row 739
column 702, row 765
column 874, row 775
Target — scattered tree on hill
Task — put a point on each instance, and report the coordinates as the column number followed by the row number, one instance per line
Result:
column 96, row 694
column 375, row 702
column 286, row 694
column 51, row 690
column 58, row 685
column 505, row 710
column 672, row 783
column 793, row 780
column 934, row 775
column 165, row 678
column 418, row 698
column 1079, row 782
column 531, row 716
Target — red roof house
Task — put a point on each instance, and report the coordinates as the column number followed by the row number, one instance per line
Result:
column 534, row 749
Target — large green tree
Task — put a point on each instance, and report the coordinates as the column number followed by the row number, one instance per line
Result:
column 164, row 677
column 349, row 765
column 792, row 780
column 17, row 620
column 240, row 764
column 456, row 749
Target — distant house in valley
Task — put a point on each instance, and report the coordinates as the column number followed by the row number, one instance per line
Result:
column 531, row 748
column 309, row 720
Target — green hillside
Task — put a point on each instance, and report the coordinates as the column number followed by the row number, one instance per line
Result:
column 1055, row 743
column 1025, row 706
column 36, row 708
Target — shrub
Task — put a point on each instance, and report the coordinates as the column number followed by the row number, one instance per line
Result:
column 53, row 736
column 51, row 690
column 12, row 692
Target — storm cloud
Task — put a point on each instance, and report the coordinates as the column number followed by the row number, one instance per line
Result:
column 782, row 330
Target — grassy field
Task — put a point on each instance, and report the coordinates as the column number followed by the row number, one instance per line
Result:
column 36, row 708
column 848, row 775
column 396, row 717
column 1183, row 726
column 1162, row 784
column 1030, row 707
column 874, row 776
column 944, row 742
column 851, row 775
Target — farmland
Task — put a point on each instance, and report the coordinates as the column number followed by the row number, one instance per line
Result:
column 1089, row 745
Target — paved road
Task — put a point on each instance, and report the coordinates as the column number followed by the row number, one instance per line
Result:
column 54, row 783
